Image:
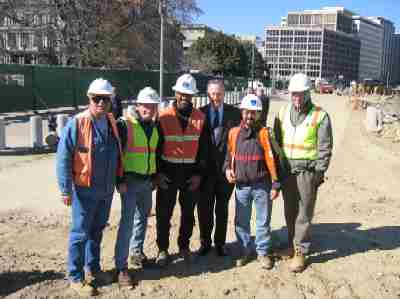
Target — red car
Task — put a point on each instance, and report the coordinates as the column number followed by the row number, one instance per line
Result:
column 326, row 88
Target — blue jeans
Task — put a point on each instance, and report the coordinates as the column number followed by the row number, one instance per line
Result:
column 135, row 209
column 90, row 213
column 245, row 195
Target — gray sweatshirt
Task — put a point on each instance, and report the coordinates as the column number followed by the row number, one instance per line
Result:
column 325, row 141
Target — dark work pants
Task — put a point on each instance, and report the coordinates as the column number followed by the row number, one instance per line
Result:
column 215, row 194
column 165, row 203
column 299, row 194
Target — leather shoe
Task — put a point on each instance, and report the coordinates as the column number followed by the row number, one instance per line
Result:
column 204, row 250
column 221, row 251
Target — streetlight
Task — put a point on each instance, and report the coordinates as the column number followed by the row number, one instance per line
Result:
column 161, row 10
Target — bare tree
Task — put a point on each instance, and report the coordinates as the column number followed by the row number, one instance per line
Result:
column 112, row 33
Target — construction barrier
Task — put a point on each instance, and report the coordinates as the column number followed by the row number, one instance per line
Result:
column 2, row 134
column 36, row 131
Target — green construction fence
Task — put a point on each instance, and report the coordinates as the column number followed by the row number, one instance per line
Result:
column 27, row 87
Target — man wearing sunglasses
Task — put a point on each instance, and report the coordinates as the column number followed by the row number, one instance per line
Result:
column 88, row 164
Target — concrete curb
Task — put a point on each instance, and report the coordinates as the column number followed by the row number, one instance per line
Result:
column 23, row 151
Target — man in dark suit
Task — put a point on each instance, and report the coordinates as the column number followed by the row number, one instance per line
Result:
column 216, row 190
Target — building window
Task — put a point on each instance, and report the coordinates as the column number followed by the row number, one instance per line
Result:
column 12, row 40
column 45, row 41
column 36, row 20
column 25, row 41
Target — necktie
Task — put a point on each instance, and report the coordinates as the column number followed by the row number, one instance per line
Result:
column 216, row 119
column 216, row 127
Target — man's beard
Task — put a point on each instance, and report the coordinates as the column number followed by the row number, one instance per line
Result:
column 184, row 105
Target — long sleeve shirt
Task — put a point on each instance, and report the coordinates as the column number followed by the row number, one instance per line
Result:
column 148, row 128
column 325, row 141
column 250, row 166
column 181, row 172
column 104, row 159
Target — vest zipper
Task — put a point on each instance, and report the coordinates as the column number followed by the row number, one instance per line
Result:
column 148, row 153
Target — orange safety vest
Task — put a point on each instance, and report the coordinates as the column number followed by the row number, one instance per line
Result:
column 82, row 159
column 263, row 136
column 181, row 146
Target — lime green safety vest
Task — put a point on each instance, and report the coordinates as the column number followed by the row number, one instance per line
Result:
column 140, row 153
column 301, row 142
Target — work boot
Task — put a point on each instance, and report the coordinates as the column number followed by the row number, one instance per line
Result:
column 124, row 279
column 266, row 262
column 139, row 259
column 243, row 260
column 204, row 250
column 221, row 251
column 186, row 255
column 298, row 262
column 285, row 254
column 162, row 259
column 99, row 278
column 83, row 289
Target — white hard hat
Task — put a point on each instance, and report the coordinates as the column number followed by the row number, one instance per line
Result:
column 251, row 102
column 148, row 96
column 353, row 83
column 100, row 86
column 299, row 82
column 186, row 84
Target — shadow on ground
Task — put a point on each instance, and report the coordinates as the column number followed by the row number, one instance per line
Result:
column 11, row 282
column 336, row 240
column 198, row 265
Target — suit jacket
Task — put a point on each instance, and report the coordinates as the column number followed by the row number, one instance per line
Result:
column 231, row 118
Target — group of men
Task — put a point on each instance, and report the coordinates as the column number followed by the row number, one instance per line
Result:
column 200, row 154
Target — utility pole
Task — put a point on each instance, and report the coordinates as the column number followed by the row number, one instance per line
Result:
column 161, row 12
column 252, row 64
column 387, row 79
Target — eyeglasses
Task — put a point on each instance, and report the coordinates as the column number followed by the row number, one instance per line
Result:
column 97, row 99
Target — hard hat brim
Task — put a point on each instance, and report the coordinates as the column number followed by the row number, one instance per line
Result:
column 147, row 102
column 250, row 108
column 297, row 90
column 185, row 91
column 101, row 92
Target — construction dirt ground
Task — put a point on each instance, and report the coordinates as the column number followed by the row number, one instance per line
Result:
column 356, row 252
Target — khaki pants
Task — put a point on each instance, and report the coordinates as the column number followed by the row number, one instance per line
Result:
column 299, row 194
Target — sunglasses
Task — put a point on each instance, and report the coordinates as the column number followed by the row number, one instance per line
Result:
column 97, row 99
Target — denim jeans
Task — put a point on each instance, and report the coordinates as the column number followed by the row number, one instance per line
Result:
column 90, row 213
column 135, row 209
column 258, row 193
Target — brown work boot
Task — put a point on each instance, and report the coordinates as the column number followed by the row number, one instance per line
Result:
column 266, row 262
column 83, row 289
column 298, row 262
column 98, row 278
column 285, row 254
column 124, row 279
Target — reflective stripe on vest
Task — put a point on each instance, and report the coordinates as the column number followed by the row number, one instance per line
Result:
column 263, row 137
column 301, row 142
column 140, row 156
column 181, row 146
column 83, row 154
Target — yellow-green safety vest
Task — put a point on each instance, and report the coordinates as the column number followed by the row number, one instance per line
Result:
column 301, row 142
column 140, row 153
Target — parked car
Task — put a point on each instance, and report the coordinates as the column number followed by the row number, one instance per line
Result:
column 326, row 88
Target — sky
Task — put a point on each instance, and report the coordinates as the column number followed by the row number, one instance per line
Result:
column 251, row 16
